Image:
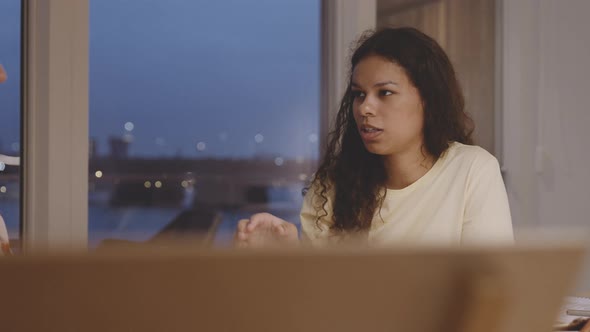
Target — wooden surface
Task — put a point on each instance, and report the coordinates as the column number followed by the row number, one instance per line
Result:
column 161, row 289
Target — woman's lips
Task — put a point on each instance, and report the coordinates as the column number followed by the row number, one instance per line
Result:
column 370, row 133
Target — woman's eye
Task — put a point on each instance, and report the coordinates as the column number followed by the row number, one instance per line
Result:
column 386, row 92
column 358, row 94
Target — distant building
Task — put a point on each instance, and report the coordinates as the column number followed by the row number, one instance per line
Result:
column 119, row 148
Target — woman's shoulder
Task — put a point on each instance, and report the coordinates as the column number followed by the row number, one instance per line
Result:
column 469, row 154
column 471, row 160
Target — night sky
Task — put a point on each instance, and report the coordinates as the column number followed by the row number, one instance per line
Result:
column 9, row 90
column 225, row 74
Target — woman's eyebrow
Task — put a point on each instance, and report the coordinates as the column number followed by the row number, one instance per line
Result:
column 385, row 83
column 356, row 85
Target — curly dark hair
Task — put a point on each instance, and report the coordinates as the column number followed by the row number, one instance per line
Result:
column 358, row 177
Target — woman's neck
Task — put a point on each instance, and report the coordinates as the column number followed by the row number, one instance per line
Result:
column 405, row 168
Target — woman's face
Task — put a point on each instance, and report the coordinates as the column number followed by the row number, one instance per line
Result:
column 387, row 107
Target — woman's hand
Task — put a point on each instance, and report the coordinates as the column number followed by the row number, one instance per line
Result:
column 265, row 230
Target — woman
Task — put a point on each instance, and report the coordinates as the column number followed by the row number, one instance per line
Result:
column 3, row 76
column 399, row 167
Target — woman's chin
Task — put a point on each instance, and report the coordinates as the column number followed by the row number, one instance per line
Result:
column 375, row 149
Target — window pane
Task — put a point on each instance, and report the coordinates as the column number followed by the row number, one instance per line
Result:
column 200, row 109
column 10, row 57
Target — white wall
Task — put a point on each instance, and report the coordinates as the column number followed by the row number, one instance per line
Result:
column 564, row 113
column 546, row 116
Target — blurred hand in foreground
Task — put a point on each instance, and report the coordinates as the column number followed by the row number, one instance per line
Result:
column 265, row 230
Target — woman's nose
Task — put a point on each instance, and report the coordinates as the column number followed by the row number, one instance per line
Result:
column 367, row 108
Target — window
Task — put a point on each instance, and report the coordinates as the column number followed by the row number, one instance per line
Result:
column 10, row 119
column 201, row 113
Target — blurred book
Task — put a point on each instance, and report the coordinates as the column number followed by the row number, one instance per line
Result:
column 574, row 314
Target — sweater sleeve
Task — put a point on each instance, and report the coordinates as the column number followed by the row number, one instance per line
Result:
column 315, row 232
column 4, row 240
column 487, row 217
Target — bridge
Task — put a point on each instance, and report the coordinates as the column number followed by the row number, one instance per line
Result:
column 174, row 181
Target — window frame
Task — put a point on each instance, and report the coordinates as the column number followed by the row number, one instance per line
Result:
column 55, row 110
column 55, row 125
